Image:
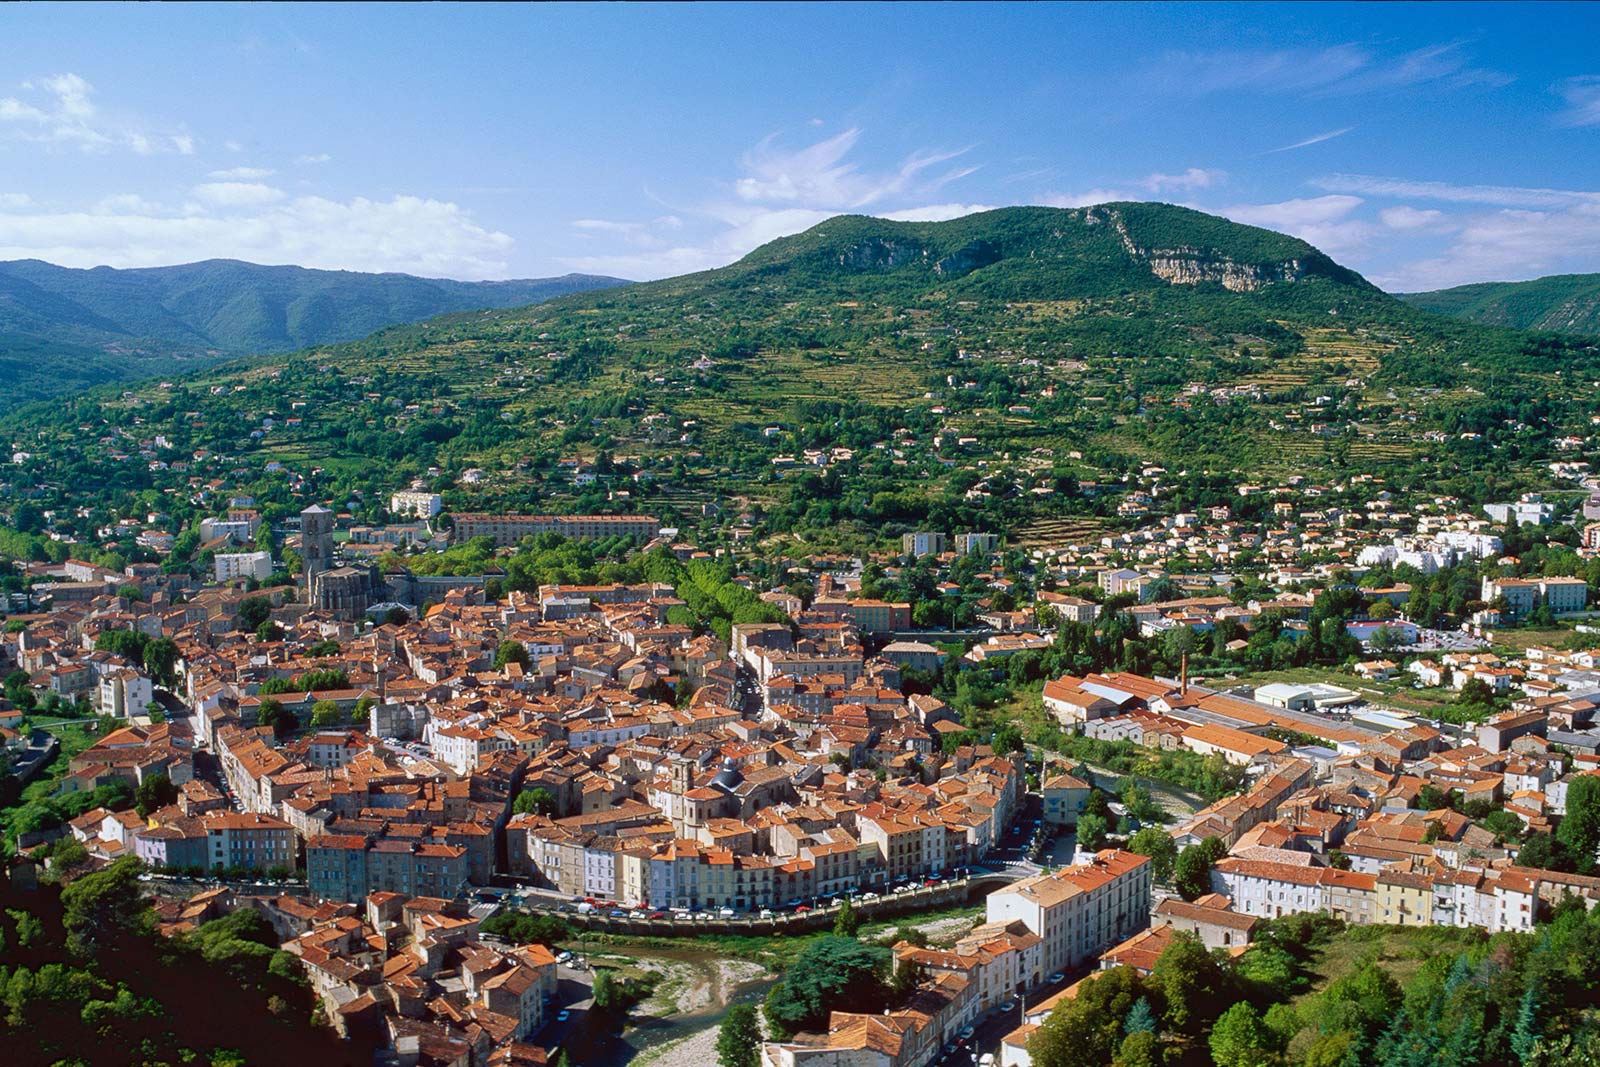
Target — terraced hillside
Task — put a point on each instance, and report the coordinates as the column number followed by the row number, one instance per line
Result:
column 1004, row 368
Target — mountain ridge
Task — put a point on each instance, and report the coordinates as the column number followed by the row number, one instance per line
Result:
column 152, row 320
column 1563, row 303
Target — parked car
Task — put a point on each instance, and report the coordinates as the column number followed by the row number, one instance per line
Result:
column 965, row 1033
column 766, row 913
column 1057, row 977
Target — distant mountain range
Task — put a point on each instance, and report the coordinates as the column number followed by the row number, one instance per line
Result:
column 1564, row 303
column 62, row 329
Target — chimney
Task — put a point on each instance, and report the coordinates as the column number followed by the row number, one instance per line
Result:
column 1183, row 675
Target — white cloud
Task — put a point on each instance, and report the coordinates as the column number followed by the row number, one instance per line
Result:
column 405, row 233
column 1407, row 218
column 237, row 194
column 128, row 204
column 1090, row 197
column 241, row 174
column 1583, row 101
column 320, row 157
column 937, row 212
column 1314, row 139
column 14, row 200
column 1193, row 178
column 1500, row 195
column 1508, row 245
column 70, row 116
column 14, row 110
column 1323, row 221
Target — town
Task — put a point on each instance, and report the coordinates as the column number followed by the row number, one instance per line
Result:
column 391, row 766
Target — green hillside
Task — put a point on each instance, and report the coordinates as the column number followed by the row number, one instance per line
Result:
column 159, row 319
column 1565, row 303
column 974, row 371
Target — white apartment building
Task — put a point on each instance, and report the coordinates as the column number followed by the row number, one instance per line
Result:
column 1081, row 911
column 231, row 565
column 411, row 502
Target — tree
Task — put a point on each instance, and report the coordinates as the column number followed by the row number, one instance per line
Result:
column 1193, row 987
column 1091, row 832
column 396, row 616
column 1159, row 846
column 1141, row 1048
column 160, row 659
column 1239, row 1038
column 847, row 922
column 273, row 714
column 1096, row 804
column 326, row 713
column 154, row 793
column 1431, row 798
column 739, row 1039
column 1087, row 1030
column 253, row 611
column 1007, row 739
column 1140, row 1018
column 609, row 994
column 1192, row 871
column 511, row 652
column 1580, row 826
column 833, row 972
column 537, row 801
column 105, row 906
column 1545, row 852
column 269, row 631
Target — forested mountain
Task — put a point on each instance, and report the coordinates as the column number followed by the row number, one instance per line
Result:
column 971, row 371
column 62, row 328
column 1566, row 303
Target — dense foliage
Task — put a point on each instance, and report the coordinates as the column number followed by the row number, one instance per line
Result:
column 1568, row 303
column 1312, row 992
column 85, row 980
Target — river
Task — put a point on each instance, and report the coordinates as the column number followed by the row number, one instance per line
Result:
column 701, row 982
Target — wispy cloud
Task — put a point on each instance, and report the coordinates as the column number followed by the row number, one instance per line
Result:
column 1500, row 195
column 63, row 111
column 820, row 174
column 776, row 190
column 1316, row 139
column 319, row 157
column 1158, row 184
column 1334, row 70
column 1582, row 96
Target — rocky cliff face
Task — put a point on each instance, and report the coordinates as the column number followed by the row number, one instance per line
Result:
column 1191, row 266
column 879, row 254
column 968, row 258
column 1182, row 266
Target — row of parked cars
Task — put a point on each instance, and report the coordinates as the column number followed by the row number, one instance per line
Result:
column 615, row 910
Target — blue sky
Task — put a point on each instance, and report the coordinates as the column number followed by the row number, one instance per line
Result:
column 1425, row 145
